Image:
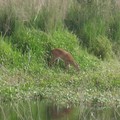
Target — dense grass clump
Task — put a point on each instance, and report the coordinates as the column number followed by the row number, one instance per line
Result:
column 8, row 55
column 101, row 47
column 7, row 19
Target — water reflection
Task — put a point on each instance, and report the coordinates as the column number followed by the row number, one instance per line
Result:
column 56, row 112
column 42, row 110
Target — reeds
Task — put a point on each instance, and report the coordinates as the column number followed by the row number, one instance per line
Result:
column 87, row 19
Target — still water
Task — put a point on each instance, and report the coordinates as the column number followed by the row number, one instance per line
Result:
column 42, row 110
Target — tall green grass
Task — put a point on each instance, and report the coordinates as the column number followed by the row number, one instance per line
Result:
column 96, row 24
column 32, row 28
column 91, row 19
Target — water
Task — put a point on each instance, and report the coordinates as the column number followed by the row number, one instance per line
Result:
column 42, row 110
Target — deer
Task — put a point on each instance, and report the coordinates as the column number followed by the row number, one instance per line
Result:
column 66, row 57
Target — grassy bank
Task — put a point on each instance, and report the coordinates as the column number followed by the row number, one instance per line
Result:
column 98, row 86
column 31, row 30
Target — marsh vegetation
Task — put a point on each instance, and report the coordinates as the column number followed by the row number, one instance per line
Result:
column 88, row 29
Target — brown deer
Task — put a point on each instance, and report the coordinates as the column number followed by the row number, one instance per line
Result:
column 59, row 53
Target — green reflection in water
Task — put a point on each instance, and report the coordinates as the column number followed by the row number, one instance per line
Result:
column 42, row 110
